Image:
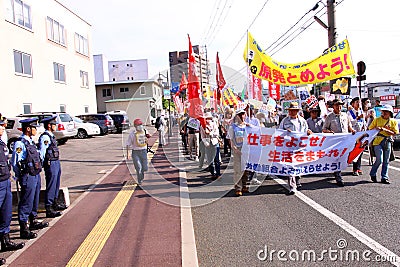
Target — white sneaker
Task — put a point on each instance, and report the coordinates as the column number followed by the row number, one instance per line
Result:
column 254, row 181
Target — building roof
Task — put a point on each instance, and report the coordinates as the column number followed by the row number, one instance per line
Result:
column 126, row 82
column 129, row 99
column 378, row 84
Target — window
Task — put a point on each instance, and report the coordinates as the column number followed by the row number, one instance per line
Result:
column 62, row 108
column 84, row 79
column 113, row 79
column 22, row 63
column 55, row 31
column 19, row 13
column 81, row 45
column 123, row 90
column 59, row 72
column 86, row 109
column 28, row 108
column 127, row 78
column 142, row 90
column 106, row 92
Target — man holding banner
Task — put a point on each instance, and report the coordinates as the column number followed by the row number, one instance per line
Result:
column 337, row 122
column 294, row 123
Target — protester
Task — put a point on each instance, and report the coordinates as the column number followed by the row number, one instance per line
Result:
column 377, row 108
column 369, row 113
column 357, row 119
column 184, row 132
column 236, row 135
column 383, row 142
column 210, row 137
column 251, row 120
column 294, row 123
column 162, row 125
column 315, row 122
column 226, row 122
column 193, row 138
column 337, row 122
column 137, row 142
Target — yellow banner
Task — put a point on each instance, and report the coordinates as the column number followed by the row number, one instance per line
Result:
column 334, row 63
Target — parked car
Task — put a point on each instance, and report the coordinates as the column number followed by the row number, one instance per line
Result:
column 105, row 122
column 397, row 136
column 65, row 124
column 85, row 129
column 14, row 131
column 121, row 120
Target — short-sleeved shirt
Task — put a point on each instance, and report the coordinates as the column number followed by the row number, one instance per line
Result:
column 381, row 122
column 357, row 124
column 338, row 123
column 137, row 140
column 298, row 124
column 315, row 125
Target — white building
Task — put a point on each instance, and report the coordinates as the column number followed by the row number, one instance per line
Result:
column 47, row 64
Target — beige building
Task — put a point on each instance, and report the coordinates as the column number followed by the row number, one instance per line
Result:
column 140, row 99
column 46, row 56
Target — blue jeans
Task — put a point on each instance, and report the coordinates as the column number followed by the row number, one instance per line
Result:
column 382, row 155
column 139, row 158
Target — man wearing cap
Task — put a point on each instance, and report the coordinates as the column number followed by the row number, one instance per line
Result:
column 236, row 134
column 383, row 142
column 5, row 199
column 137, row 142
column 27, row 166
column 337, row 122
column 49, row 154
column 315, row 122
column 294, row 123
column 357, row 120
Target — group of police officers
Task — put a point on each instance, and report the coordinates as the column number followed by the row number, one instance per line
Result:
column 27, row 162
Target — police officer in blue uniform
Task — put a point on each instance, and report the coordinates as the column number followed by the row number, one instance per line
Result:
column 27, row 166
column 5, row 199
column 49, row 154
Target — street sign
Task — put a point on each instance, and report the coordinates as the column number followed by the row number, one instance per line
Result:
column 167, row 94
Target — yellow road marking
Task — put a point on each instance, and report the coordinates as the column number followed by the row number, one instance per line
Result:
column 91, row 247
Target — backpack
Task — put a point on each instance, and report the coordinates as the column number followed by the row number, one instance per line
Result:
column 157, row 124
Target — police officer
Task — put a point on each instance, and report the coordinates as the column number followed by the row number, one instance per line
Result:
column 49, row 155
column 5, row 199
column 27, row 167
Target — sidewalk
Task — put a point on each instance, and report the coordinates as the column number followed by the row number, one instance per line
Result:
column 146, row 233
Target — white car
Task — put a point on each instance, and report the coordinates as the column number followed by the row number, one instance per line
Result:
column 85, row 129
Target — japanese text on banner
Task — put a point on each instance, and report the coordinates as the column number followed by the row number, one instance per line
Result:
column 334, row 63
column 279, row 152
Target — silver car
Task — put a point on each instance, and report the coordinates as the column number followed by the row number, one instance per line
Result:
column 14, row 131
column 65, row 124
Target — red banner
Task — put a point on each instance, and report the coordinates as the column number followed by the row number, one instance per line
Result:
column 178, row 104
column 255, row 87
column 193, row 88
column 274, row 91
column 182, row 84
column 220, row 82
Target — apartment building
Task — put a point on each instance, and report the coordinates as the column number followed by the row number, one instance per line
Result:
column 178, row 63
column 46, row 59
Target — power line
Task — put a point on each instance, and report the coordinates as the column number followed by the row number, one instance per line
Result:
column 245, row 33
column 213, row 19
column 222, row 23
column 219, row 18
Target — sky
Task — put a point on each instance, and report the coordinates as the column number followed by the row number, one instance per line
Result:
column 133, row 29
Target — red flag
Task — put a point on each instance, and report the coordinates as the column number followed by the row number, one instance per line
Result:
column 193, row 87
column 220, row 82
column 182, row 84
column 274, row 91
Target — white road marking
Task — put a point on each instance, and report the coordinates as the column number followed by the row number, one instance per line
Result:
column 363, row 238
column 189, row 250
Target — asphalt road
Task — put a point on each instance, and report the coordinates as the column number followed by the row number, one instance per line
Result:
column 232, row 231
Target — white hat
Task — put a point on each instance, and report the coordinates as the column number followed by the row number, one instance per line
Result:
column 208, row 115
column 387, row 108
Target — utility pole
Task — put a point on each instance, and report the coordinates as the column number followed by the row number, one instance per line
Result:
column 330, row 6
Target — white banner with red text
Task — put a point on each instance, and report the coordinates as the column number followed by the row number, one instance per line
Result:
column 283, row 153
